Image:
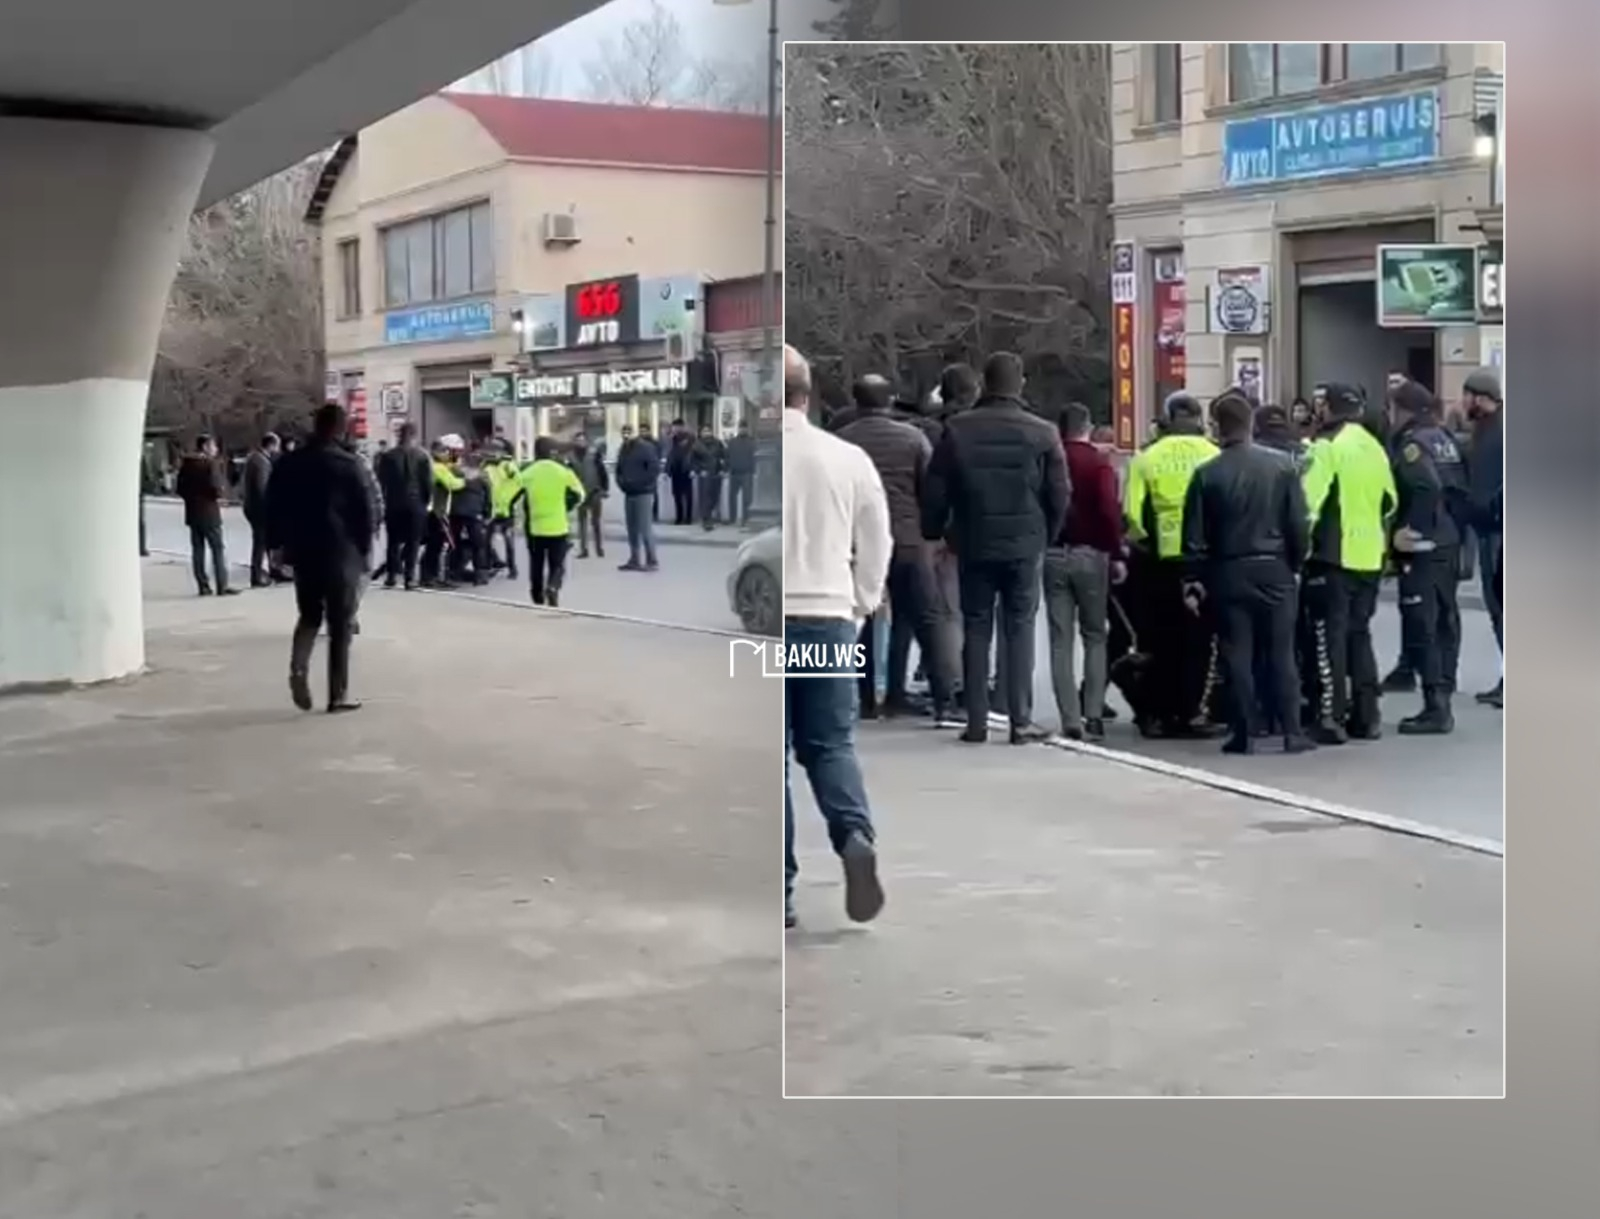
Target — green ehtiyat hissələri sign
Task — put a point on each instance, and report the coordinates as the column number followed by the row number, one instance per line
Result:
column 1427, row 285
column 494, row 389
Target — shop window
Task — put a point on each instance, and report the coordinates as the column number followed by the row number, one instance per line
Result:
column 1167, row 71
column 439, row 257
column 349, row 278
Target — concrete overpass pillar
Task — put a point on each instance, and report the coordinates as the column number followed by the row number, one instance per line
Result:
column 92, row 219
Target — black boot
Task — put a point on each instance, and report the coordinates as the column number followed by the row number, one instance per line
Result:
column 1326, row 732
column 1434, row 719
column 1495, row 697
column 1402, row 679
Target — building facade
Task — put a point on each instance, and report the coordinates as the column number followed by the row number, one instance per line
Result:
column 526, row 266
column 1293, row 213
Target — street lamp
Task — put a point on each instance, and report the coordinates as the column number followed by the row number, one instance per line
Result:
column 766, row 502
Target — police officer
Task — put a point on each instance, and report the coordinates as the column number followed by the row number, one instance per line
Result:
column 1428, row 474
column 1177, row 639
column 1350, row 495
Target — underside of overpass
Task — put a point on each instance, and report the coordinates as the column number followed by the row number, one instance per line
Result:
column 116, row 121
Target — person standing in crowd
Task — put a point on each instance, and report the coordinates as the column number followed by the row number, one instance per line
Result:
column 553, row 491
column 1084, row 560
column 321, row 517
column 436, row 531
column 999, row 478
column 837, row 546
column 1426, row 545
column 638, row 473
column 1350, row 496
column 1243, row 545
column 909, row 410
column 1177, row 639
column 405, row 478
column 1481, row 402
column 741, row 474
column 1275, row 430
column 900, row 453
column 201, row 487
column 680, row 475
column 708, row 462
column 469, row 516
column 958, row 392
column 590, row 467
column 253, row 496
column 501, row 471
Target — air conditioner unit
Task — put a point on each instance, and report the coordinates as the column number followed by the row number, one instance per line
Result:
column 561, row 228
column 680, row 348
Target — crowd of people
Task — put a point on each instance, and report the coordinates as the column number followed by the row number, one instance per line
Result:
column 1224, row 581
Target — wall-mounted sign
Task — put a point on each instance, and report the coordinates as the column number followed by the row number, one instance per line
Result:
column 1238, row 300
column 333, row 386
column 1170, row 338
column 1322, row 141
column 544, row 322
column 1124, row 274
column 1124, row 412
column 439, row 323
column 614, row 385
column 1427, row 285
column 603, row 311
column 1249, row 372
column 493, row 389
column 357, row 409
column 393, row 398
column 670, row 304
column 1491, row 277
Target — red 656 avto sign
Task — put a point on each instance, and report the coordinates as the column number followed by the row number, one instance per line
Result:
column 603, row 311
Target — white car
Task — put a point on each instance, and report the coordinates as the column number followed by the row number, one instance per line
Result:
column 755, row 585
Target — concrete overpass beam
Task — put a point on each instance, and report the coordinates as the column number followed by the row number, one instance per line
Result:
column 92, row 219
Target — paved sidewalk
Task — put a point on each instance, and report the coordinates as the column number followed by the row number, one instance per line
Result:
column 1063, row 925
column 503, row 943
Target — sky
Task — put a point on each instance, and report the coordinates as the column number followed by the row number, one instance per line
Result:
column 713, row 31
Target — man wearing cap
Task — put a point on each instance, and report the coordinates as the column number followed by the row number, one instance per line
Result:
column 1481, row 401
column 1427, row 545
column 1350, row 495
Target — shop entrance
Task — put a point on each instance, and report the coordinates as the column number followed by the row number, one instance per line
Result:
column 1340, row 339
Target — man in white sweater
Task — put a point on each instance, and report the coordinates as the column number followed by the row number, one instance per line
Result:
column 836, row 549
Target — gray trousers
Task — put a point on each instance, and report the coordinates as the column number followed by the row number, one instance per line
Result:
column 1077, row 590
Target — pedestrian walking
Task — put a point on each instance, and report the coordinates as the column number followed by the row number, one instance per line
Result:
column 589, row 465
column 1082, row 564
column 553, row 492
column 998, row 481
column 836, row 551
column 202, row 488
column 1243, row 545
column 741, row 474
column 901, row 453
column 957, row 392
column 405, row 477
column 638, row 473
column 1482, row 402
column 322, row 517
column 253, row 499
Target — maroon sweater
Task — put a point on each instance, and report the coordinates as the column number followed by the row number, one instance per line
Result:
column 1095, row 518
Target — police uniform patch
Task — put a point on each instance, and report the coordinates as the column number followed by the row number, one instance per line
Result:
column 1412, row 453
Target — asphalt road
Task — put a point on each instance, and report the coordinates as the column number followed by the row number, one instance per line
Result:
column 689, row 590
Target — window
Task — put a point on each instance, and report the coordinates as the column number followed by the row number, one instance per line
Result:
column 1370, row 60
column 1259, row 70
column 1168, row 73
column 350, row 278
column 438, row 257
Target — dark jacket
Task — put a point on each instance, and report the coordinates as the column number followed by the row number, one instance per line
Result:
column 1431, row 490
column 471, row 502
column 405, row 476
column 201, row 487
column 253, row 486
column 679, row 450
column 742, row 454
column 1245, row 503
column 1486, row 472
column 708, row 457
column 590, row 467
column 901, row 453
column 321, row 510
column 1283, row 438
column 926, row 424
column 1095, row 517
column 638, row 466
column 999, row 477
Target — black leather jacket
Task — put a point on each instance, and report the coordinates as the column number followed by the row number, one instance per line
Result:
column 1245, row 503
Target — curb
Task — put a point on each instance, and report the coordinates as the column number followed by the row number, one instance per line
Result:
column 1273, row 795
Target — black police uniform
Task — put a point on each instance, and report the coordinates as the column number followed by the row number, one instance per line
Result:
column 1429, row 478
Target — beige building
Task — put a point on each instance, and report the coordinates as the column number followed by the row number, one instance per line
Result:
column 1255, row 183
column 460, row 234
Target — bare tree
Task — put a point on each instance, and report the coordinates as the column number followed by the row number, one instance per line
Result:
column 647, row 64
column 945, row 201
column 242, row 345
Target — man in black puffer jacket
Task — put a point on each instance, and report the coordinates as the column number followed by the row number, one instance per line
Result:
column 999, row 477
column 901, row 454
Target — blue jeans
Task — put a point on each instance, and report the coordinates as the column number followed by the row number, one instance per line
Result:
column 638, row 512
column 819, row 726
